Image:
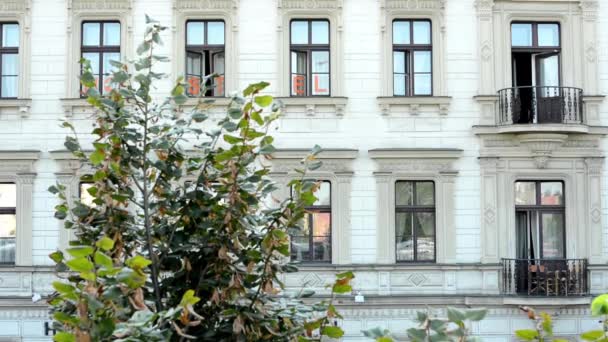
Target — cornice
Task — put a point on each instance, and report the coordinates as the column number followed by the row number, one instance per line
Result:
column 99, row 5
column 206, row 5
column 309, row 4
column 21, row 105
column 413, row 4
column 415, row 153
column 298, row 153
column 14, row 6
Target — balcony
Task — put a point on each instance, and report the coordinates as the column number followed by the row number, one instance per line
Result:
column 540, row 105
column 545, row 277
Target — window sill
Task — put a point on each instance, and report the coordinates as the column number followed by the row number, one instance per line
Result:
column 311, row 103
column 74, row 105
column 21, row 105
column 442, row 103
column 218, row 101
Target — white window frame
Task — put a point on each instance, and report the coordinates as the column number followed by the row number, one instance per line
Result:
column 416, row 165
column 18, row 168
column 225, row 10
column 337, row 169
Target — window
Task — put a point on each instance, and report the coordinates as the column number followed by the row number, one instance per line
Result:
column 540, row 223
column 85, row 196
column 415, row 221
column 100, row 44
column 8, row 223
column 412, row 58
column 9, row 54
column 313, row 242
column 309, row 50
column 205, row 55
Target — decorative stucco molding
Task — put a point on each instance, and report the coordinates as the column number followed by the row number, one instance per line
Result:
column 415, row 164
column 440, row 104
column 313, row 104
column 338, row 170
column 20, row 11
column 18, row 167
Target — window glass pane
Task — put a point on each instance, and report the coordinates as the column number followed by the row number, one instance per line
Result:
column 8, row 195
column 215, row 33
column 425, row 233
column 9, row 86
column 299, row 32
column 10, row 64
column 300, row 248
column 553, row 235
column 8, row 225
column 399, row 84
column 320, row 61
column 422, row 32
column 85, row 196
column 320, row 32
column 521, row 34
column 298, row 77
column 91, row 34
column 551, row 193
column 399, row 62
column 298, row 85
column 425, row 193
column 323, row 194
column 10, row 35
column 195, row 33
column 549, row 74
column 298, row 62
column 107, row 57
column 404, row 193
column 422, row 61
column 548, row 35
column 111, row 34
column 193, row 73
column 422, row 84
column 525, row 193
column 8, row 230
column 218, row 68
column 93, row 57
column 401, row 32
column 320, row 84
column 404, row 237
column 321, row 249
column 321, row 224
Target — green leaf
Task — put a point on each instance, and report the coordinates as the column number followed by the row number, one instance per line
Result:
column 143, row 47
column 88, row 276
column 63, row 288
column 63, row 336
column 80, row 265
column 384, row 339
column 267, row 149
column 150, row 20
column 526, row 334
column 333, row 332
column 97, row 157
column 232, row 139
column 103, row 260
column 263, row 101
column 105, row 243
column 599, row 306
column 189, row 298
column 592, row 335
column 56, row 256
column 138, row 262
column 476, row 315
column 255, row 88
column 80, row 251
column 455, row 315
column 341, row 289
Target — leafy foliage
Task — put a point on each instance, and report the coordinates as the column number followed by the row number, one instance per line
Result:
column 599, row 307
column 454, row 328
column 543, row 327
column 180, row 242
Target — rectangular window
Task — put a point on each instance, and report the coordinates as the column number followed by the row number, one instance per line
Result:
column 309, row 53
column 9, row 60
column 100, row 44
column 415, row 221
column 205, row 55
column 85, row 196
column 540, row 219
column 8, row 222
column 412, row 58
column 313, row 242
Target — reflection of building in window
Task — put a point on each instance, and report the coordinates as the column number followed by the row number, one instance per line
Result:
column 415, row 221
column 9, row 55
column 85, row 196
column 309, row 48
column 539, row 214
column 8, row 223
column 100, row 44
column 313, row 242
column 205, row 55
column 412, row 58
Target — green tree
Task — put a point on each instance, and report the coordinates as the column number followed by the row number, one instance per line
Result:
column 180, row 242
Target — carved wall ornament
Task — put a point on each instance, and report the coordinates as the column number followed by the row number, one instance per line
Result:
column 417, row 279
column 486, row 50
column 591, row 52
column 541, row 161
column 80, row 5
column 14, row 6
column 489, row 214
column 205, row 4
column 310, row 4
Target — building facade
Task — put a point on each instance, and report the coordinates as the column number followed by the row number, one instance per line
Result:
column 464, row 143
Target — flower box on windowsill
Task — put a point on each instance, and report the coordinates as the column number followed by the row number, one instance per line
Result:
column 441, row 103
column 20, row 106
column 311, row 103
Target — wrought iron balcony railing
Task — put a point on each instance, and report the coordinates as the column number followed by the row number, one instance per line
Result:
column 545, row 277
column 528, row 105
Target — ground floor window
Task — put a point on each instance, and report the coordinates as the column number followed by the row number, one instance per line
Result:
column 313, row 242
column 415, row 221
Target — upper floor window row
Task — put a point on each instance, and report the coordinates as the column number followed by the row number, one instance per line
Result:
column 100, row 44
column 205, row 55
column 412, row 58
column 309, row 53
column 9, row 64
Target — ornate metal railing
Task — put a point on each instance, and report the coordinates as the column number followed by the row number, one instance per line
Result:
column 545, row 277
column 525, row 105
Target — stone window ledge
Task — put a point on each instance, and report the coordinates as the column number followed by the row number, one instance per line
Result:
column 75, row 105
column 311, row 103
column 21, row 105
column 397, row 267
column 415, row 153
column 442, row 103
column 540, row 128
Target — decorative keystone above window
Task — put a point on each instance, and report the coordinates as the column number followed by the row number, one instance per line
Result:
column 414, row 104
column 312, row 105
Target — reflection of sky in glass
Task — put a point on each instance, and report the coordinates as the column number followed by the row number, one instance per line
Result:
column 8, row 195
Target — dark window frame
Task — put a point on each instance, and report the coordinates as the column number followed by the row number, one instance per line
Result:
column 100, row 49
column 408, row 50
column 10, row 211
column 414, row 208
column 8, row 51
column 307, row 49
column 544, row 208
column 313, row 209
column 207, row 51
column 535, row 48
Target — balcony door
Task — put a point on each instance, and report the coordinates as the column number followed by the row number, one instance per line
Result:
column 536, row 72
